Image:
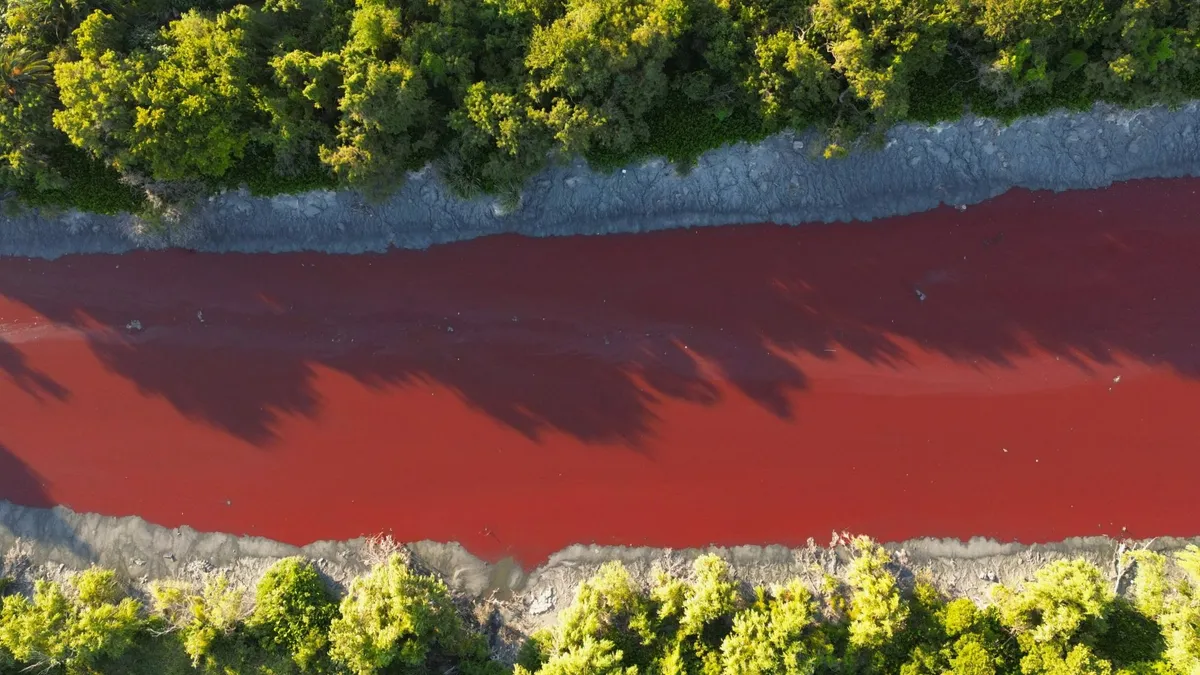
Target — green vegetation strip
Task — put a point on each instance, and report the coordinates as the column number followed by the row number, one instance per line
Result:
column 1068, row 620
column 127, row 105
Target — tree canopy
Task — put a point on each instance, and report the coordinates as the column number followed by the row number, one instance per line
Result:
column 357, row 93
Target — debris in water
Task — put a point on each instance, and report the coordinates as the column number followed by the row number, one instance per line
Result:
column 1117, row 378
column 133, row 325
column 920, row 294
column 200, row 316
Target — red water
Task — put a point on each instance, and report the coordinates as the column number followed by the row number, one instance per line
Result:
column 741, row 385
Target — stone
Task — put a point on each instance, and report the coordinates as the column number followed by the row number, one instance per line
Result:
column 543, row 602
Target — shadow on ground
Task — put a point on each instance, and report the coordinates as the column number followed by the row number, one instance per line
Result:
column 587, row 335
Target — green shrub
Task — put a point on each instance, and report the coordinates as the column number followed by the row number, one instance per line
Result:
column 73, row 628
column 877, row 611
column 293, row 610
column 395, row 619
column 779, row 633
column 203, row 619
column 1065, row 621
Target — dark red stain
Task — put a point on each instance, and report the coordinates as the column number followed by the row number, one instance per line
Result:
column 750, row 385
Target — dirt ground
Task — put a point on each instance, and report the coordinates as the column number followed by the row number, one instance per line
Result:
column 507, row 601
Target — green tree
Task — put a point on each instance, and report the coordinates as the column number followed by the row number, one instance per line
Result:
column 879, row 46
column 26, row 139
column 590, row 657
column 293, row 610
column 303, row 107
column 607, row 608
column 692, row 619
column 1057, row 618
column 596, row 72
column 499, row 144
column 793, row 81
column 41, row 25
column 184, row 110
column 777, row 635
column 196, row 110
column 389, row 123
column 1180, row 617
column 877, row 611
column 1038, row 43
column 76, row 627
column 1142, row 53
column 494, row 145
column 202, row 619
column 396, row 621
column 98, row 92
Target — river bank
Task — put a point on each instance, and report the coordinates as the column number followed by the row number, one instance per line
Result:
column 509, row 602
column 783, row 180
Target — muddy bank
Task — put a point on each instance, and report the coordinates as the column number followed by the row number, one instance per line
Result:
column 49, row 543
column 782, row 180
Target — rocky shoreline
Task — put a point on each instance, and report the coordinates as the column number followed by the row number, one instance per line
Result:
column 783, row 179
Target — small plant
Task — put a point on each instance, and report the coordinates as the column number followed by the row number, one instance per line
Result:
column 835, row 151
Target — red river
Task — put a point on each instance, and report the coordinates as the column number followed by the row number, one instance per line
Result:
column 746, row 385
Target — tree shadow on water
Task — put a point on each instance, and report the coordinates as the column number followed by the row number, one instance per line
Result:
column 26, row 515
column 590, row 336
column 14, row 366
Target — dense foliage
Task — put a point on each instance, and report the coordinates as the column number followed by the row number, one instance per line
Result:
column 104, row 101
column 1067, row 620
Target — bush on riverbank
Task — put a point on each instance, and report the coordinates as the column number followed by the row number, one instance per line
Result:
column 1066, row 621
column 104, row 101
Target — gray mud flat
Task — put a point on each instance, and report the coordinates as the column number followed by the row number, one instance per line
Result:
column 509, row 601
column 782, row 180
